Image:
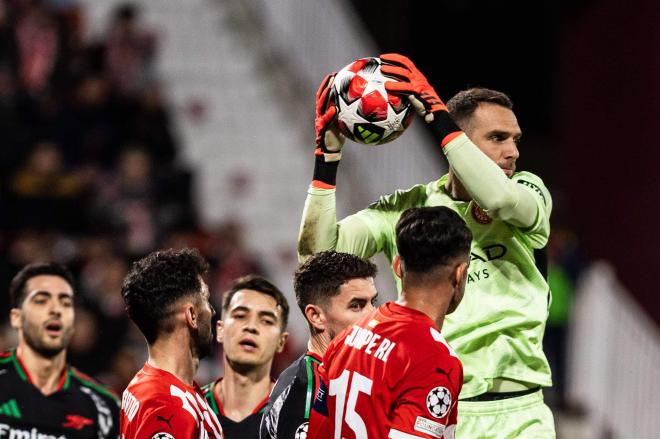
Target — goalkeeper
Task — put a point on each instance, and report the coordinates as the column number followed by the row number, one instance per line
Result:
column 498, row 328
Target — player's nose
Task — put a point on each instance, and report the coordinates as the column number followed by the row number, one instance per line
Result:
column 251, row 327
column 511, row 150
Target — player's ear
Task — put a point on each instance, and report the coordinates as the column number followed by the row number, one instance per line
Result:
column 219, row 331
column 15, row 318
column 459, row 274
column 190, row 314
column 282, row 341
column 396, row 266
column 315, row 316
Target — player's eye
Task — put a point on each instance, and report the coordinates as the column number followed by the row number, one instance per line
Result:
column 497, row 138
column 268, row 321
column 67, row 302
column 517, row 140
column 357, row 305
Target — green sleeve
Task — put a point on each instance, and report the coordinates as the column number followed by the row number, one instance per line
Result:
column 488, row 185
column 537, row 234
column 320, row 231
column 364, row 233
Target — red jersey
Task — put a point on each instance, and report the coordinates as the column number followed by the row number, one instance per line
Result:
column 158, row 405
column 391, row 375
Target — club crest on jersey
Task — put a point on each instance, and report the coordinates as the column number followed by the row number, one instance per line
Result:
column 162, row 435
column 76, row 422
column 438, row 401
column 480, row 215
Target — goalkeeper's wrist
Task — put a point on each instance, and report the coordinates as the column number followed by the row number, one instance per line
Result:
column 325, row 173
column 444, row 127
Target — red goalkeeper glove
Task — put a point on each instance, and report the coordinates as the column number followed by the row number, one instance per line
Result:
column 329, row 141
column 423, row 97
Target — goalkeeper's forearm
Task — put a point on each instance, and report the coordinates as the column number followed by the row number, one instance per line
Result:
column 318, row 228
column 488, row 185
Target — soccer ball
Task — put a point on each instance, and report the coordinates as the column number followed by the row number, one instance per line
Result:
column 301, row 431
column 366, row 113
column 438, row 401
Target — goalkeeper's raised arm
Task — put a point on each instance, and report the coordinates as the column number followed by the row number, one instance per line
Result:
column 479, row 173
column 319, row 229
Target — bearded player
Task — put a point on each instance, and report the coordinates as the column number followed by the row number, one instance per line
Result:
column 391, row 374
column 168, row 300
column 40, row 395
column 498, row 330
column 333, row 290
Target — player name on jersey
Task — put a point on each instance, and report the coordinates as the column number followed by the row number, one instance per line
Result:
column 129, row 404
column 373, row 344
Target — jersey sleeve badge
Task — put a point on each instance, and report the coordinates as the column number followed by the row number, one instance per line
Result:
column 438, row 401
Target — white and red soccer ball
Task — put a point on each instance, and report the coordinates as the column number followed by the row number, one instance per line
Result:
column 366, row 112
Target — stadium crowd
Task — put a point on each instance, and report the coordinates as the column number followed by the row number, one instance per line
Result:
column 89, row 175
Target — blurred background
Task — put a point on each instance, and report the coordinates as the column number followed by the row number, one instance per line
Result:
column 127, row 127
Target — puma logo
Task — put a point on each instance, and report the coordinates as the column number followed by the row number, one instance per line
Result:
column 165, row 420
column 444, row 372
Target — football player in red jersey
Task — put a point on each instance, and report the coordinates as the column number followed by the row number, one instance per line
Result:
column 392, row 374
column 168, row 300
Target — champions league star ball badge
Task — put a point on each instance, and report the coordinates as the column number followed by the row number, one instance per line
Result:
column 301, row 431
column 438, row 402
column 162, row 435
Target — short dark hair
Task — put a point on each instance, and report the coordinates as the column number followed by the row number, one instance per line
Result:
column 261, row 285
column 319, row 277
column 156, row 282
column 464, row 103
column 17, row 287
column 430, row 237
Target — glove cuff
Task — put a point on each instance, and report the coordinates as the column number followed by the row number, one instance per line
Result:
column 325, row 173
column 444, row 127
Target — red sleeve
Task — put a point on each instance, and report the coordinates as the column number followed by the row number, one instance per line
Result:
column 166, row 418
column 428, row 403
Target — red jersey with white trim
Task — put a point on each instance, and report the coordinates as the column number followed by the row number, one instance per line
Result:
column 156, row 404
column 391, row 375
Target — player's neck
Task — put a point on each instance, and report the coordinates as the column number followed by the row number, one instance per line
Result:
column 241, row 392
column 44, row 372
column 174, row 355
column 434, row 302
column 319, row 343
column 455, row 188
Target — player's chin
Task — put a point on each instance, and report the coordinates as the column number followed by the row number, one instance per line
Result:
column 50, row 348
column 242, row 361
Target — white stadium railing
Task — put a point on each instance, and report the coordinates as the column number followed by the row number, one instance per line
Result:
column 614, row 370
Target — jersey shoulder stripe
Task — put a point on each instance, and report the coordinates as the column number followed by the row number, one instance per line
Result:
column 89, row 382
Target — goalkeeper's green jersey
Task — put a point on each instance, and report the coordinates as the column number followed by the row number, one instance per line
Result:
column 498, row 328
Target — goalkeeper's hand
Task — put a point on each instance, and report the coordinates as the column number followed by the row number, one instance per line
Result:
column 413, row 82
column 421, row 94
column 329, row 141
